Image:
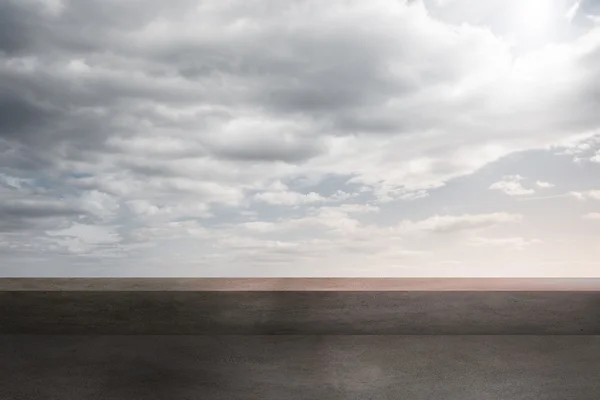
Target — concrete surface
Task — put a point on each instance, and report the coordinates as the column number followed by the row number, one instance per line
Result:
column 304, row 312
column 201, row 355
column 299, row 367
column 300, row 284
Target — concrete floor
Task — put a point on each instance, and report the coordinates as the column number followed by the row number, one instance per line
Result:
column 299, row 367
column 211, row 344
column 291, row 312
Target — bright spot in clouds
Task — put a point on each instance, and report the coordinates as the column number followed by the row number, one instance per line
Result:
column 533, row 18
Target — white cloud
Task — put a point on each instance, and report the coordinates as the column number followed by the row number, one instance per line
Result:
column 594, row 18
column 280, row 195
column 592, row 216
column 455, row 223
column 510, row 242
column 287, row 198
column 511, row 185
column 169, row 231
column 90, row 234
column 326, row 220
column 573, row 10
column 419, row 194
column 544, row 185
column 259, row 226
column 357, row 208
column 84, row 239
column 575, row 148
column 587, row 195
column 340, row 195
column 148, row 210
column 98, row 203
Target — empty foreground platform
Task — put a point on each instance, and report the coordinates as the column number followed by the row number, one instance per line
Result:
column 271, row 339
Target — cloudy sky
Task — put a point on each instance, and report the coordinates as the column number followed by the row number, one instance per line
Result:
column 299, row 138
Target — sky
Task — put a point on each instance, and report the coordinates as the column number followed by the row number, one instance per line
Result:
column 300, row 138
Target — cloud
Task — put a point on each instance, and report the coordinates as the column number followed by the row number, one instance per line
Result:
column 84, row 239
column 386, row 194
column 573, row 11
column 544, row 185
column 259, row 226
column 518, row 243
column 279, row 194
column 268, row 106
column 25, row 206
column 263, row 140
column 140, row 122
column 337, row 220
column 592, row 216
column 150, row 211
column 99, row 204
column 456, row 223
column 511, row 185
column 587, row 195
column 169, row 231
column 289, row 198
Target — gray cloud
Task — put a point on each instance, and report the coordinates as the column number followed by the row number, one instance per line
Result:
column 277, row 147
column 14, row 28
column 19, row 116
column 22, row 210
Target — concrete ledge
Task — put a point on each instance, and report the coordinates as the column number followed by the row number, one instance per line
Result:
column 300, row 284
column 328, row 307
column 183, row 347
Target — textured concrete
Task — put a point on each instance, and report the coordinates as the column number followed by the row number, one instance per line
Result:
column 300, row 284
column 300, row 367
column 202, row 365
column 305, row 312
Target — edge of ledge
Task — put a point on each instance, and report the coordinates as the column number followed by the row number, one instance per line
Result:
column 300, row 284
